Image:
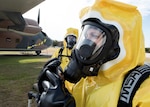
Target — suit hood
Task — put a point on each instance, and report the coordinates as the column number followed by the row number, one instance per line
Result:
column 127, row 19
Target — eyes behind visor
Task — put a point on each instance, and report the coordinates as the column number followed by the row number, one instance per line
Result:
column 93, row 32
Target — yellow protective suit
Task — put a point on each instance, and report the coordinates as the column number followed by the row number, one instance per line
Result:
column 67, row 52
column 104, row 90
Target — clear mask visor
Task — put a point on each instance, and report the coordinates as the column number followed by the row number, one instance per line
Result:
column 71, row 41
column 93, row 37
column 71, row 38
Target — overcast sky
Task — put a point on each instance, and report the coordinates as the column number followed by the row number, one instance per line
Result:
column 57, row 15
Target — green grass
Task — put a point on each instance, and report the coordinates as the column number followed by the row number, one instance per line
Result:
column 17, row 76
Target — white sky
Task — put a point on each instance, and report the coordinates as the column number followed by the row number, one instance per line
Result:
column 57, row 15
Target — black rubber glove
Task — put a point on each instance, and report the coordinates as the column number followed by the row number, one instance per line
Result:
column 53, row 66
column 54, row 94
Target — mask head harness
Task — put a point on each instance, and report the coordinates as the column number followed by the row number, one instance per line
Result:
column 110, row 44
column 92, row 54
column 97, row 44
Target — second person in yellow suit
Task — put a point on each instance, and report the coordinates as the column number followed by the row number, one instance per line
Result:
column 69, row 42
column 64, row 53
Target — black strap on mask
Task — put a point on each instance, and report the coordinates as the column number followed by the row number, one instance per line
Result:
column 131, row 83
column 60, row 55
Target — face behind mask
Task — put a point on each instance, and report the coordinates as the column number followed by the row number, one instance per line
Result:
column 91, row 42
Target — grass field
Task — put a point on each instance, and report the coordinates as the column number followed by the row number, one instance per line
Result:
column 18, row 73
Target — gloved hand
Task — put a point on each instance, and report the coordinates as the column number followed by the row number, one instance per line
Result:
column 53, row 66
column 52, row 87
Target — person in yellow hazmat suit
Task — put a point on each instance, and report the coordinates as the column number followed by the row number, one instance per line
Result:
column 64, row 53
column 107, row 63
column 69, row 42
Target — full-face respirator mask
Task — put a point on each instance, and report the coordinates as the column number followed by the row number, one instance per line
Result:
column 98, row 44
column 71, row 41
